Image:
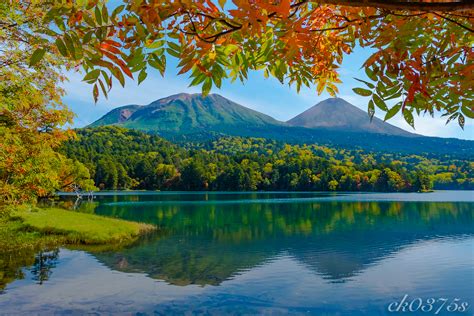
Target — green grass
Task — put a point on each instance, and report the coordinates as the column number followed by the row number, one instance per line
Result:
column 14, row 237
column 34, row 228
column 81, row 228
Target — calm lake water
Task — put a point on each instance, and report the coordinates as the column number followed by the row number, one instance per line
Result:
column 257, row 253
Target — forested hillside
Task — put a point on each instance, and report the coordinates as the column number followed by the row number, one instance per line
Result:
column 333, row 122
column 119, row 158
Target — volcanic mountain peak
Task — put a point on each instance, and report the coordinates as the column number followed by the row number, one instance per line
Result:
column 338, row 114
column 185, row 112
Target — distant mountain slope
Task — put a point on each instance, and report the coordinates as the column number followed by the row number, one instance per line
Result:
column 185, row 113
column 116, row 116
column 338, row 114
column 334, row 122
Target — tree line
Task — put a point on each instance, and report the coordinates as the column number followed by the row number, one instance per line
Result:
column 121, row 159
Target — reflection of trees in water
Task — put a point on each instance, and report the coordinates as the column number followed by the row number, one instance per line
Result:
column 80, row 204
column 10, row 267
column 247, row 222
column 45, row 261
column 41, row 265
column 208, row 244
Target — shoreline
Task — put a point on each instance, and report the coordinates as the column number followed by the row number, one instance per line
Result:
column 27, row 227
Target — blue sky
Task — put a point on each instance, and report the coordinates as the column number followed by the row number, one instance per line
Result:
column 265, row 95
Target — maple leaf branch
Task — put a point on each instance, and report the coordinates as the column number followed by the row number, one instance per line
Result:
column 442, row 6
column 211, row 38
column 454, row 21
column 432, row 5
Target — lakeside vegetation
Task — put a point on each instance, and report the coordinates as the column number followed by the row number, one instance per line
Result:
column 27, row 230
column 118, row 158
column 35, row 228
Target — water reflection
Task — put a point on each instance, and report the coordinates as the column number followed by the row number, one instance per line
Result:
column 39, row 265
column 45, row 261
column 279, row 256
column 207, row 244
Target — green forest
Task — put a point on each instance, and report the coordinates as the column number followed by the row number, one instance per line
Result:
column 123, row 159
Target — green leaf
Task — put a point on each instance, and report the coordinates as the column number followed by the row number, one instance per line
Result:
column 461, row 120
column 70, row 45
column 119, row 75
column 198, row 79
column 394, row 96
column 391, row 113
column 206, row 87
column 61, row 47
column 173, row 52
column 102, row 86
column 371, row 86
column 92, row 76
column 409, row 118
column 469, row 112
column 117, row 10
column 157, row 63
column 98, row 15
column 174, row 46
column 452, row 117
column 87, row 38
column 217, row 81
column 222, row 3
column 95, row 92
column 105, row 14
column 155, row 44
column 37, row 56
column 371, row 110
column 380, row 103
column 77, row 45
column 370, row 73
column 174, row 35
column 89, row 20
column 362, row 92
column 142, row 76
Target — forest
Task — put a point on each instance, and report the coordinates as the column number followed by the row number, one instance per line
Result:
column 123, row 159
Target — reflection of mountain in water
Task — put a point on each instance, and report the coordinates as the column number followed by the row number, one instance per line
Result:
column 208, row 244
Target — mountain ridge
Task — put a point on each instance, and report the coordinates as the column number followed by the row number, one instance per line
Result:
column 187, row 113
column 214, row 109
column 191, row 117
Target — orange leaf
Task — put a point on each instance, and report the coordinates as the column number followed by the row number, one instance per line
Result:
column 113, row 43
column 119, row 62
column 110, row 48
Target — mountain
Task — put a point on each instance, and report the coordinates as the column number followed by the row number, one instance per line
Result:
column 333, row 122
column 338, row 114
column 187, row 113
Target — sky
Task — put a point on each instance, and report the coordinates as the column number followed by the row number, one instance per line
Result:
column 265, row 95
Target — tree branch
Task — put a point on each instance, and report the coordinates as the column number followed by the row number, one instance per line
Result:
column 455, row 22
column 440, row 5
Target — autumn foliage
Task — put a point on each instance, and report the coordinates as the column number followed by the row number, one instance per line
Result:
column 422, row 60
column 32, row 118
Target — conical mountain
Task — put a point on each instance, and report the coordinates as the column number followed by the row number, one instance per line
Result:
column 184, row 113
column 338, row 114
column 333, row 122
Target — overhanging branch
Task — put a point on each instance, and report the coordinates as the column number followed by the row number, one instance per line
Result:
column 442, row 6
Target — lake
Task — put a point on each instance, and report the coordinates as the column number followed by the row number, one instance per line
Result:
column 259, row 253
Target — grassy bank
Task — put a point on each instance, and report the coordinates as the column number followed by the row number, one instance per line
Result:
column 28, row 227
